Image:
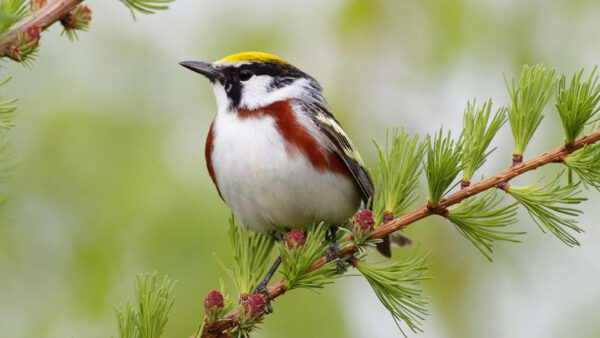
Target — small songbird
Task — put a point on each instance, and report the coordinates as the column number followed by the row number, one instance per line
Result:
column 275, row 152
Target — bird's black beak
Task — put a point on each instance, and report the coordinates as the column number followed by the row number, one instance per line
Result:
column 204, row 68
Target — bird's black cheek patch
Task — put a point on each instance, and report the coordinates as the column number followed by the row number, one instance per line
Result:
column 234, row 92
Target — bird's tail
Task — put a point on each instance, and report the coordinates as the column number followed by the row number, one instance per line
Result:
column 384, row 247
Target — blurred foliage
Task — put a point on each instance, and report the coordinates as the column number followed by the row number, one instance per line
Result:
column 112, row 182
column 11, row 11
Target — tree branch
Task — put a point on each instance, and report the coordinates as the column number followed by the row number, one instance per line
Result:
column 43, row 18
column 216, row 329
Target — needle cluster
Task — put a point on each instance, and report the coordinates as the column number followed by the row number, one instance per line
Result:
column 148, row 317
column 145, row 6
column 481, row 219
column 250, row 258
column 76, row 20
column 7, row 109
column 442, row 164
column 478, row 133
column 296, row 260
column 528, row 97
column 585, row 162
column 23, row 45
column 577, row 103
column 550, row 207
column 11, row 11
column 396, row 283
column 398, row 175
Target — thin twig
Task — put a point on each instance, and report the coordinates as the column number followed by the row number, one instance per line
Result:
column 216, row 329
column 43, row 18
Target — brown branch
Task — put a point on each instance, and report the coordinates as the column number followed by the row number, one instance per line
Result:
column 43, row 18
column 557, row 155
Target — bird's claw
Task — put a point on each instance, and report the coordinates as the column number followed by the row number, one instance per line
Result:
column 262, row 287
column 333, row 254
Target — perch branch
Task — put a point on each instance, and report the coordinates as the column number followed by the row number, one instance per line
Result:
column 557, row 155
column 43, row 18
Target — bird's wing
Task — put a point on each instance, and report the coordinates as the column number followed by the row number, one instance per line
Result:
column 331, row 134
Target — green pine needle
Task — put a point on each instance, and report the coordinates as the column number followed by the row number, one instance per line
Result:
column 585, row 162
column 145, row 6
column 479, row 218
column 7, row 109
column 154, row 301
column 126, row 320
column 577, row 104
column 7, row 155
column 478, row 135
column 547, row 205
column 72, row 34
column 296, row 262
column 399, row 172
column 396, row 284
column 442, row 164
column 251, row 253
column 11, row 11
column 527, row 100
column 8, row 164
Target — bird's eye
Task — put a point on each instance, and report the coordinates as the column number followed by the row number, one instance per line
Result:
column 245, row 74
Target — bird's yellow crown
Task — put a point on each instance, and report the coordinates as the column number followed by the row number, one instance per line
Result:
column 253, row 57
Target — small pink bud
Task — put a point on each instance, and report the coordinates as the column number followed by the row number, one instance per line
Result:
column 363, row 221
column 213, row 303
column 86, row 9
column 13, row 52
column 32, row 34
column 254, row 307
column 294, row 239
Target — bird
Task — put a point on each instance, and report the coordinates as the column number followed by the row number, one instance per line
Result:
column 276, row 153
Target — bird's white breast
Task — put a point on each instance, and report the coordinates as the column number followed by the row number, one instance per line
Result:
column 268, row 186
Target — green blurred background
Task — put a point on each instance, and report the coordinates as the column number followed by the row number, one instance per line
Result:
column 111, row 178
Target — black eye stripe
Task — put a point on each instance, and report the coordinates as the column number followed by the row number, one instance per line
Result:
column 274, row 70
column 282, row 75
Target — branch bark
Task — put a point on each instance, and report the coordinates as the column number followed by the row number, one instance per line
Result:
column 554, row 156
column 43, row 18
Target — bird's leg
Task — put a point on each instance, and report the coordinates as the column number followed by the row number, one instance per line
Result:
column 332, row 252
column 262, row 287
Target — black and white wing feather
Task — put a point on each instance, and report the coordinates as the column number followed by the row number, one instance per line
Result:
column 331, row 134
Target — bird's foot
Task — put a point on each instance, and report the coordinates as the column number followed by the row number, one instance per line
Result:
column 262, row 287
column 333, row 254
